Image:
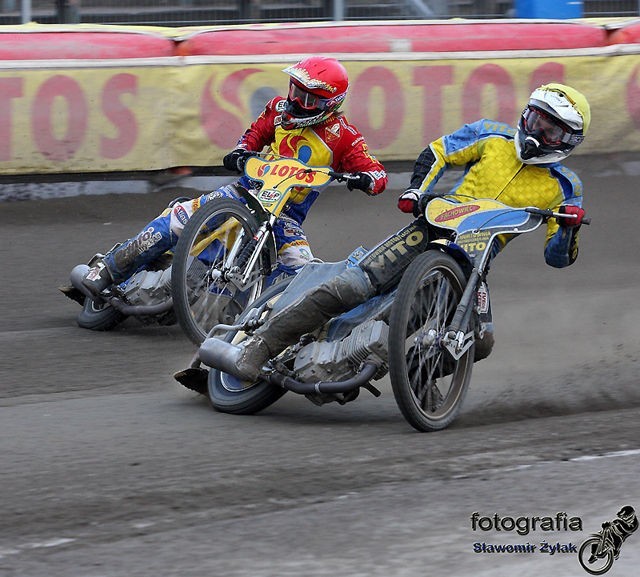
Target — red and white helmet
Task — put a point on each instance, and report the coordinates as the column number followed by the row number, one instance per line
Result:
column 317, row 88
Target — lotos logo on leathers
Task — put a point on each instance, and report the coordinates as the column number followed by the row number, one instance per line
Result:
column 456, row 212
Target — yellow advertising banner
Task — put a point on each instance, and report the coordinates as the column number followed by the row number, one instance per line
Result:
column 87, row 119
column 156, row 113
column 402, row 105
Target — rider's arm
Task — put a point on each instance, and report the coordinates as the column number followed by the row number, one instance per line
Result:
column 456, row 149
column 561, row 246
column 351, row 154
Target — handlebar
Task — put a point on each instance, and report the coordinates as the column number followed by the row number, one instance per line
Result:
column 547, row 213
column 342, row 176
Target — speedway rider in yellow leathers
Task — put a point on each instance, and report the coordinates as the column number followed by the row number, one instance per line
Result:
column 518, row 167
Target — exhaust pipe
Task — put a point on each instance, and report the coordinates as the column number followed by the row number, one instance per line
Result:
column 223, row 356
column 328, row 387
column 136, row 310
column 220, row 355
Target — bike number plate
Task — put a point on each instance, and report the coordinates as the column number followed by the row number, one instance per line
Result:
column 482, row 299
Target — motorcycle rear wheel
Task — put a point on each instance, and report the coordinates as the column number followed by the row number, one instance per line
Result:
column 228, row 394
column 202, row 296
column 428, row 384
column 98, row 317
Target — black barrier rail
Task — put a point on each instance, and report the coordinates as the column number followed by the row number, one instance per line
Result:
column 216, row 12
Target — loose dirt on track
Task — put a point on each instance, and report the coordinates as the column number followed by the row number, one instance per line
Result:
column 110, row 468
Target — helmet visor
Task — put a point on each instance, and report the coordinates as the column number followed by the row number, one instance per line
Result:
column 550, row 130
column 305, row 100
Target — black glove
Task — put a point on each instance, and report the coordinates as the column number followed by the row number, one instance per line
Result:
column 362, row 182
column 235, row 160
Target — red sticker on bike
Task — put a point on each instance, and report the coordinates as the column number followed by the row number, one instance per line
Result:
column 456, row 212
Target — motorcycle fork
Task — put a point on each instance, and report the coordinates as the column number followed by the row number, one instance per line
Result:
column 241, row 275
column 456, row 340
column 260, row 239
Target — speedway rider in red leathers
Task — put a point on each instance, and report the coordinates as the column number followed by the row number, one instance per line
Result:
column 519, row 167
column 307, row 125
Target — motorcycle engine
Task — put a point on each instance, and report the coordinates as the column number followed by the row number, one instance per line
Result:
column 148, row 287
column 338, row 360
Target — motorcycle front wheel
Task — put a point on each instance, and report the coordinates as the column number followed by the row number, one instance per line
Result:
column 600, row 564
column 204, row 259
column 229, row 394
column 428, row 384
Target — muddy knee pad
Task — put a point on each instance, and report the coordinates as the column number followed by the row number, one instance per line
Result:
column 179, row 215
column 342, row 293
column 386, row 263
column 350, row 288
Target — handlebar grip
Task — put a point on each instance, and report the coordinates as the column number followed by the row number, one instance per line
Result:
column 341, row 176
column 547, row 213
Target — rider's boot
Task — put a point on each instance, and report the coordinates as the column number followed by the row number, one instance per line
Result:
column 124, row 259
column 315, row 308
column 88, row 282
column 97, row 278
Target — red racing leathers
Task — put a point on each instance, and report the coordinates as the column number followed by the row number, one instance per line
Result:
column 334, row 143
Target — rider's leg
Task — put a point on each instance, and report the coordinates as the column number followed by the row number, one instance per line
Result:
column 293, row 249
column 121, row 261
column 153, row 240
column 311, row 310
column 379, row 271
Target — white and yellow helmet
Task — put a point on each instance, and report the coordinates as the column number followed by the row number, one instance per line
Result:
column 553, row 123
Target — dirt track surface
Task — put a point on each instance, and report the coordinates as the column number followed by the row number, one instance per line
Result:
column 111, row 469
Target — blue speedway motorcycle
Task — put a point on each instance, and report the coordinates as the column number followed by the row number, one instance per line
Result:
column 422, row 333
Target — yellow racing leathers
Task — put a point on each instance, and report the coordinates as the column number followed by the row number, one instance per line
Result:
column 491, row 169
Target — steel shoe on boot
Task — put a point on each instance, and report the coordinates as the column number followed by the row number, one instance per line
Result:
column 97, row 279
column 252, row 356
column 243, row 361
